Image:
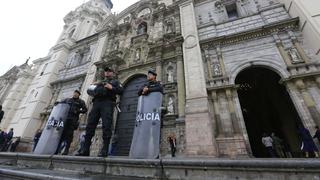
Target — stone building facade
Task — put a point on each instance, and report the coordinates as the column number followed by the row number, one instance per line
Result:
column 231, row 69
column 309, row 15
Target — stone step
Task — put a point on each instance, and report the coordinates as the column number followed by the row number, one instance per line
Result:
column 13, row 172
column 180, row 168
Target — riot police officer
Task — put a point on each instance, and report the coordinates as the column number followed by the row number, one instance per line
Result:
column 104, row 102
column 152, row 85
column 77, row 107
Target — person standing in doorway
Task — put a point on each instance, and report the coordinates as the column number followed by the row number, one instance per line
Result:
column 278, row 145
column 268, row 144
column 15, row 144
column 10, row 135
column 317, row 134
column 308, row 146
column 173, row 144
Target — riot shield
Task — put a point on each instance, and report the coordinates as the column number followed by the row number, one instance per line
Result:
column 52, row 132
column 146, row 137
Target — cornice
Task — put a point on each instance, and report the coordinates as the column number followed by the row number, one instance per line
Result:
column 251, row 34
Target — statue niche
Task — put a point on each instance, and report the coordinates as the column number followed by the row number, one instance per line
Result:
column 294, row 56
column 142, row 28
column 170, row 105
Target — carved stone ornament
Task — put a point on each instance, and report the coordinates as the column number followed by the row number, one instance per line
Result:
column 294, row 56
column 190, row 41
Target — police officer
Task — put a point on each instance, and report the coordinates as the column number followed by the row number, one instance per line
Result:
column 77, row 107
column 152, row 85
column 104, row 103
column 1, row 113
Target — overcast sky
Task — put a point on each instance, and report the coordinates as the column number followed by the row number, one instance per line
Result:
column 29, row 28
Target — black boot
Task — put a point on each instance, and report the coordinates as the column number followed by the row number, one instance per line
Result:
column 105, row 149
column 66, row 150
column 85, row 151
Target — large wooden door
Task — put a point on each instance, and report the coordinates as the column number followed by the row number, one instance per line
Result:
column 126, row 119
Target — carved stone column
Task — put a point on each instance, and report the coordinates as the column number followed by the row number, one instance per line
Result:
column 220, row 60
column 234, row 119
column 219, row 128
column 181, row 88
column 311, row 105
column 208, row 62
column 282, row 51
column 199, row 131
column 159, row 70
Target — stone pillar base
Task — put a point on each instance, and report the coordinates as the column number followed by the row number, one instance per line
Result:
column 199, row 135
column 232, row 147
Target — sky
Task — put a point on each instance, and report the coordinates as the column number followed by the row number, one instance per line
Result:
column 29, row 28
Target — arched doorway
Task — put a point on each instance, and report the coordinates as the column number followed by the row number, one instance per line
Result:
column 126, row 119
column 267, row 107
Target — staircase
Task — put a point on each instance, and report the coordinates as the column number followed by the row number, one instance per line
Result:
column 29, row 166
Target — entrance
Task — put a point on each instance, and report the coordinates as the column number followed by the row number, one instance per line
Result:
column 267, row 107
column 126, row 119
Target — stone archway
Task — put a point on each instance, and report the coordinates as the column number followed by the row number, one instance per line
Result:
column 126, row 119
column 267, row 107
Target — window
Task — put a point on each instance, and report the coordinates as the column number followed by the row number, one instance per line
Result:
column 232, row 11
column 200, row 19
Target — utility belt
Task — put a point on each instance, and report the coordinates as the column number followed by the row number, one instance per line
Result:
column 112, row 100
column 104, row 98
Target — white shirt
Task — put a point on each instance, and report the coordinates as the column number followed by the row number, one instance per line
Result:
column 267, row 141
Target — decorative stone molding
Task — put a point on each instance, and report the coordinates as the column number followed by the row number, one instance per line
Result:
column 248, row 35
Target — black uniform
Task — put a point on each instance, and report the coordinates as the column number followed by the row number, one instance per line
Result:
column 77, row 107
column 36, row 140
column 1, row 115
column 317, row 135
column 103, row 107
column 153, row 86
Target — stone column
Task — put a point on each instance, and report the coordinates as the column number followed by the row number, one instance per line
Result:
column 199, row 130
column 219, row 128
column 177, row 22
column 311, row 105
column 283, row 53
column 220, row 59
column 232, row 111
column 301, row 51
column 159, row 70
column 208, row 61
column 181, row 88
column 158, row 58
column 281, row 49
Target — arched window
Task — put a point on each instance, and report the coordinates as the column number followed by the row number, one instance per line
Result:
column 142, row 28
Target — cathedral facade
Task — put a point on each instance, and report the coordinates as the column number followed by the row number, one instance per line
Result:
column 231, row 70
